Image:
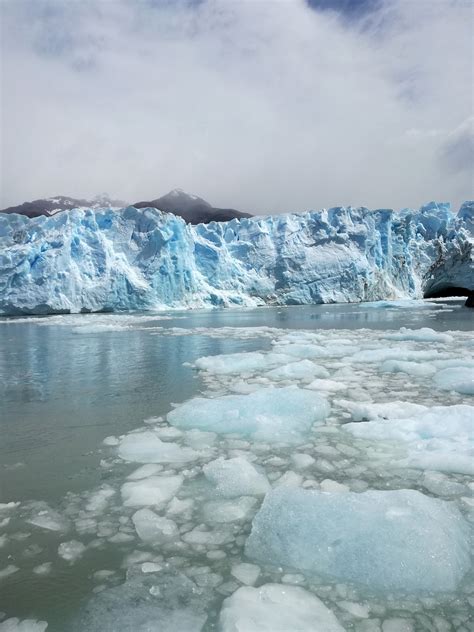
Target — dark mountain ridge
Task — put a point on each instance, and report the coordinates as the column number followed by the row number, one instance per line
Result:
column 191, row 208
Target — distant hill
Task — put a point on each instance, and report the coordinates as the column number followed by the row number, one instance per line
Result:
column 53, row 205
column 191, row 208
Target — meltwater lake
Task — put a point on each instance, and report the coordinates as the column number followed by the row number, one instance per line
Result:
column 152, row 529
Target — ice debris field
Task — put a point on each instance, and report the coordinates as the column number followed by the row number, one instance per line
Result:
column 139, row 259
column 320, row 486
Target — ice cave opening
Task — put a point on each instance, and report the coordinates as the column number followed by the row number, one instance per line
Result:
column 450, row 290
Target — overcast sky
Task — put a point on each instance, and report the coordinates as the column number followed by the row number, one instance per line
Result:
column 263, row 105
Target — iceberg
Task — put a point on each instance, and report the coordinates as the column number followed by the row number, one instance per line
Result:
column 276, row 608
column 268, row 414
column 89, row 260
column 382, row 540
column 145, row 602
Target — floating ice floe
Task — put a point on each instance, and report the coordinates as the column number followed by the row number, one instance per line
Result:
column 425, row 334
column 301, row 370
column 43, row 516
column 460, row 379
column 154, row 490
column 222, row 511
column 437, row 438
column 236, row 477
column 417, row 369
column 27, row 625
column 276, row 608
column 8, row 570
column 269, row 414
column 71, row 551
column 235, row 363
column 147, row 447
column 246, row 573
column 383, row 540
column 152, row 528
column 147, row 602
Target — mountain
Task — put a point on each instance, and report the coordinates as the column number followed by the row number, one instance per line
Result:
column 193, row 209
column 51, row 206
column 137, row 259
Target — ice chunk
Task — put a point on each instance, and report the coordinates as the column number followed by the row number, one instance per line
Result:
column 394, row 353
column 147, row 602
column 276, row 608
column 151, row 567
column 384, row 540
column 397, row 625
column 289, row 479
column 144, row 471
column 46, row 518
column 8, row 570
column 302, row 461
column 236, row 477
column 233, row 363
column 460, row 379
column 302, row 370
column 71, row 551
column 154, row 490
column 200, row 535
column 154, row 529
column 246, row 573
column 334, row 487
column 381, row 410
column 425, row 334
column 111, row 440
column 269, row 414
column 147, row 447
column 27, row 625
column 177, row 506
column 98, row 500
column 326, row 385
column 43, row 569
column 229, row 510
column 441, row 437
column 418, row 369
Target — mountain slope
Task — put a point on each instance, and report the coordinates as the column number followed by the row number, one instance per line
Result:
column 193, row 209
column 53, row 205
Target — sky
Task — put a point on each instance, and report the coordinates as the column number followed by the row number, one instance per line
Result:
column 262, row 105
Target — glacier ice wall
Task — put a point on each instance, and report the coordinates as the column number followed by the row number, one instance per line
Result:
column 104, row 259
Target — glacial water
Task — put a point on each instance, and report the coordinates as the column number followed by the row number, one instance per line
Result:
column 69, row 382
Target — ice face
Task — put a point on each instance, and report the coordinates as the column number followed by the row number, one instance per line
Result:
column 276, row 415
column 102, row 259
column 276, row 608
column 383, row 540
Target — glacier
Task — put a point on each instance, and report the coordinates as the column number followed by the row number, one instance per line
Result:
column 90, row 260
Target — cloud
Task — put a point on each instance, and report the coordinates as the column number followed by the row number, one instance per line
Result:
column 263, row 105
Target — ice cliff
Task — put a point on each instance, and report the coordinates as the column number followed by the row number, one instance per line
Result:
column 104, row 259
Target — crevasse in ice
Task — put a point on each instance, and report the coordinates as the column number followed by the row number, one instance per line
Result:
column 104, row 259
